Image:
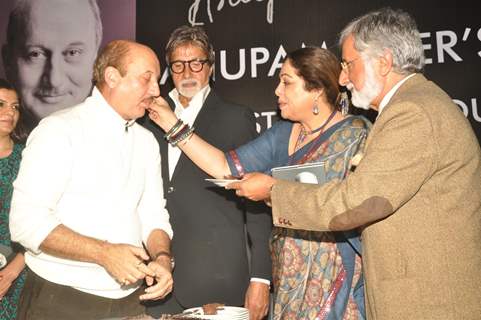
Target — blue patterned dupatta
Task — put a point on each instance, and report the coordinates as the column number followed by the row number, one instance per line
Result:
column 317, row 275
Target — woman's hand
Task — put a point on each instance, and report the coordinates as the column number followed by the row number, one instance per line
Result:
column 161, row 113
column 254, row 186
column 10, row 273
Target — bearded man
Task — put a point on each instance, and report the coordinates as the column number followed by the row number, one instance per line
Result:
column 210, row 245
column 416, row 193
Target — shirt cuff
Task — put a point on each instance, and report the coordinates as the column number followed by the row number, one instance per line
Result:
column 261, row 280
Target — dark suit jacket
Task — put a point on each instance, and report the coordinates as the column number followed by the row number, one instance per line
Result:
column 209, row 243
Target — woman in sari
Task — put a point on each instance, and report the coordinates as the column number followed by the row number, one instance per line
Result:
column 316, row 275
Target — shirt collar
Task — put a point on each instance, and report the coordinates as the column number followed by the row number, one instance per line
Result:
column 391, row 93
column 189, row 113
column 107, row 113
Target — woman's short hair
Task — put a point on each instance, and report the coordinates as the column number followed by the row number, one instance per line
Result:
column 319, row 68
column 186, row 35
column 394, row 30
column 20, row 132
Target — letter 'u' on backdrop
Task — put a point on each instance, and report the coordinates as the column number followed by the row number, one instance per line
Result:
column 252, row 37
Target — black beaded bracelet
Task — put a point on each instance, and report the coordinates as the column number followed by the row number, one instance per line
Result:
column 182, row 137
column 172, row 130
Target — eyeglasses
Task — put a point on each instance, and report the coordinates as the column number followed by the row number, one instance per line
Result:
column 345, row 64
column 195, row 65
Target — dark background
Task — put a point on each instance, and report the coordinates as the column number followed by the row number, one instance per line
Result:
column 245, row 31
column 244, row 26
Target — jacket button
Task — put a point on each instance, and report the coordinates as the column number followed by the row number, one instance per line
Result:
column 170, row 190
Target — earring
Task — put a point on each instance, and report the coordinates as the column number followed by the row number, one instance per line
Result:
column 344, row 103
column 315, row 108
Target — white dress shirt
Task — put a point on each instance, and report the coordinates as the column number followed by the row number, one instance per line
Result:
column 385, row 100
column 187, row 115
column 84, row 168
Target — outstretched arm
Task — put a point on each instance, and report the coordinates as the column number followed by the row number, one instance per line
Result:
column 204, row 155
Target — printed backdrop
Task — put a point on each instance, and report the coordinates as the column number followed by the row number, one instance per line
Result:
column 251, row 37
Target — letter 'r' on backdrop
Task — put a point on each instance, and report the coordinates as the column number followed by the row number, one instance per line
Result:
column 251, row 38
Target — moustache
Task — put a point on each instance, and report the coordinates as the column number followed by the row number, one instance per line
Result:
column 189, row 83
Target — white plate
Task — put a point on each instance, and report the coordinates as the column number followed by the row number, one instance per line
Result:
column 226, row 313
column 221, row 182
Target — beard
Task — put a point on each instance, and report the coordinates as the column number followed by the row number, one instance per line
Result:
column 371, row 89
column 189, row 87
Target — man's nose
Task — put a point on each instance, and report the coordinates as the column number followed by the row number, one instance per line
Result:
column 187, row 73
column 154, row 88
column 54, row 73
column 343, row 77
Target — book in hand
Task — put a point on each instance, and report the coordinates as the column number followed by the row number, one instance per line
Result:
column 314, row 173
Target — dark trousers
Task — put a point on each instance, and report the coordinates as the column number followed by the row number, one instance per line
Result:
column 169, row 305
column 45, row 300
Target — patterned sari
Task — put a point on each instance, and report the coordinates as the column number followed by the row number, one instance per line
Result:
column 8, row 172
column 316, row 275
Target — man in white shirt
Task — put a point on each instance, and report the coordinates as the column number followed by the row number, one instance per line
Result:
column 88, row 199
column 210, row 224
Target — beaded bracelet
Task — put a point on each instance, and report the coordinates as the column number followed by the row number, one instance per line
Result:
column 183, row 136
column 172, row 130
column 179, row 132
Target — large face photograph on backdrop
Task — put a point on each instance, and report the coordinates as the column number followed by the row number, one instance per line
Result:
column 251, row 38
column 49, row 47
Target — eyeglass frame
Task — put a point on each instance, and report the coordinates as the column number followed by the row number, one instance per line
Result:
column 345, row 64
column 201, row 61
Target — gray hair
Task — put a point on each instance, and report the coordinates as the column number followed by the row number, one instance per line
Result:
column 19, row 16
column 189, row 35
column 394, row 30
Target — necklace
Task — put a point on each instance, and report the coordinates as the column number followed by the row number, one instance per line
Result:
column 322, row 125
column 304, row 133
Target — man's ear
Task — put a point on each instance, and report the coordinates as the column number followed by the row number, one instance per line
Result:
column 385, row 62
column 112, row 76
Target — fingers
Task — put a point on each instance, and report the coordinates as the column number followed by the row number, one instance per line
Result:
column 149, row 280
column 137, row 271
column 126, row 263
column 145, row 269
column 162, row 288
column 164, row 283
column 153, row 115
column 140, row 252
column 160, row 101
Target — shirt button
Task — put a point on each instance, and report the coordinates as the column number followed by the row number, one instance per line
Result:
column 170, row 190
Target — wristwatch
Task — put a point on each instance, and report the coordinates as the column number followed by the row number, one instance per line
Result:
column 167, row 254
